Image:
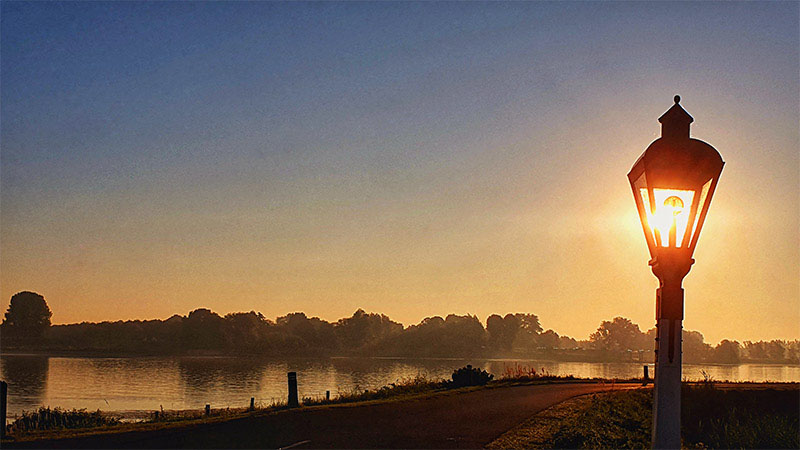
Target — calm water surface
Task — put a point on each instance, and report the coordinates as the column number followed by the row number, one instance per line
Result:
column 122, row 384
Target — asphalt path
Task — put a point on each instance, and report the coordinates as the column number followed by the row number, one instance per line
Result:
column 453, row 420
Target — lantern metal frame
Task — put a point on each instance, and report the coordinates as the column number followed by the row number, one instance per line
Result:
column 675, row 162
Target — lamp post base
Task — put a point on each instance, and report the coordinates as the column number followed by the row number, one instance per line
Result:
column 670, row 267
column 667, row 387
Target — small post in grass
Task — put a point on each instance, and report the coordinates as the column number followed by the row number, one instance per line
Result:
column 208, row 410
column 646, row 375
column 252, row 403
column 327, row 395
column 293, row 400
column 3, row 404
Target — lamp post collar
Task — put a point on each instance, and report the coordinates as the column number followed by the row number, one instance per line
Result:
column 675, row 122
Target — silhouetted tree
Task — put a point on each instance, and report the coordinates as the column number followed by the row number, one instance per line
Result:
column 203, row 330
column 316, row 335
column 727, row 352
column 567, row 342
column 462, row 335
column 694, row 347
column 528, row 329
column 363, row 329
column 776, row 350
column 246, row 332
column 618, row 334
column 514, row 330
column 434, row 336
column 549, row 339
column 28, row 316
column 418, row 340
column 502, row 331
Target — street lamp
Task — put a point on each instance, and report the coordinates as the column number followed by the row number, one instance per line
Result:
column 673, row 182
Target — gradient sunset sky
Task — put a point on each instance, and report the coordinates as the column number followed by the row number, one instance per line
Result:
column 413, row 159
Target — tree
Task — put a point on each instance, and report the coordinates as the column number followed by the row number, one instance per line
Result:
column 246, row 331
column 28, row 316
column 202, row 330
column 502, row 331
column 727, row 352
column 694, row 347
column 529, row 323
column 513, row 330
column 364, row 329
column 315, row 335
column 549, row 339
column 619, row 334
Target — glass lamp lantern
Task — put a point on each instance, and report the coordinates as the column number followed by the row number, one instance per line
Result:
column 673, row 182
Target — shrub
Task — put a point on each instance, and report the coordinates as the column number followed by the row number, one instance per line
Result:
column 469, row 376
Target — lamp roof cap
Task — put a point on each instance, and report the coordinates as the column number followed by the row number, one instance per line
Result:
column 676, row 114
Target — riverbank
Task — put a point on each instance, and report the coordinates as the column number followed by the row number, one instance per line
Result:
column 277, row 426
column 465, row 417
column 555, row 355
column 59, row 421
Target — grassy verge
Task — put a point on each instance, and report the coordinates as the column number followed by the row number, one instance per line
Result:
column 729, row 417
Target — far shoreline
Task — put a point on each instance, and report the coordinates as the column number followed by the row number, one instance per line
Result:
column 211, row 355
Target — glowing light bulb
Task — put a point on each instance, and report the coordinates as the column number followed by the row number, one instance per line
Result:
column 675, row 204
column 669, row 222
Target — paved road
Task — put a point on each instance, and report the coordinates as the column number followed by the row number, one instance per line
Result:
column 461, row 420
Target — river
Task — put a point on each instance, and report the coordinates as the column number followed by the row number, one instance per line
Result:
column 127, row 384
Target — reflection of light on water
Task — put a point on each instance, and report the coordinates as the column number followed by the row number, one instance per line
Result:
column 189, row 383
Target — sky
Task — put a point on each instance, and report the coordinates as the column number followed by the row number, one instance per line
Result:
column 411, row 159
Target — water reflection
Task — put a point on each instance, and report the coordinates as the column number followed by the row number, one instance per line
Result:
column 221, row 381
column 26, row 376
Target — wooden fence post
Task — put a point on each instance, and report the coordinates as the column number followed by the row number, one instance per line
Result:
column 327, row 395
column 3, row 404
column 293, row 400
column 208, row 410
column 252, row 403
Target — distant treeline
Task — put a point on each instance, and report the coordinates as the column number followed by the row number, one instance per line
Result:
column 203, row 332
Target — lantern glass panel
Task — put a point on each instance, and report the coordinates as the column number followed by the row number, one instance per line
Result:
column 643, row 205
column 701, row 204
column 668, row 215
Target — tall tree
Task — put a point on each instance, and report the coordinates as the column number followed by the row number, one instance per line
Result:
column 619, row 334
column 727, row 352
column 28, row 316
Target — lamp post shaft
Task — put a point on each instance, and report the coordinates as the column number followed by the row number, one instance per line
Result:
column 667, row 385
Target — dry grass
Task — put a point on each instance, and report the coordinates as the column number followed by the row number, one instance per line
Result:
column 524, row 373
column 58, row 419
column 537, row 432
column 404, row 386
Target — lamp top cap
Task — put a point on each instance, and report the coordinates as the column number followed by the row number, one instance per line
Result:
column 676, row 114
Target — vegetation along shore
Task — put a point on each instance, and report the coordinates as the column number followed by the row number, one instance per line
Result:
column 27, row 328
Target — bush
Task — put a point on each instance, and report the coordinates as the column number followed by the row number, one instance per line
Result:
column 469, row 376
